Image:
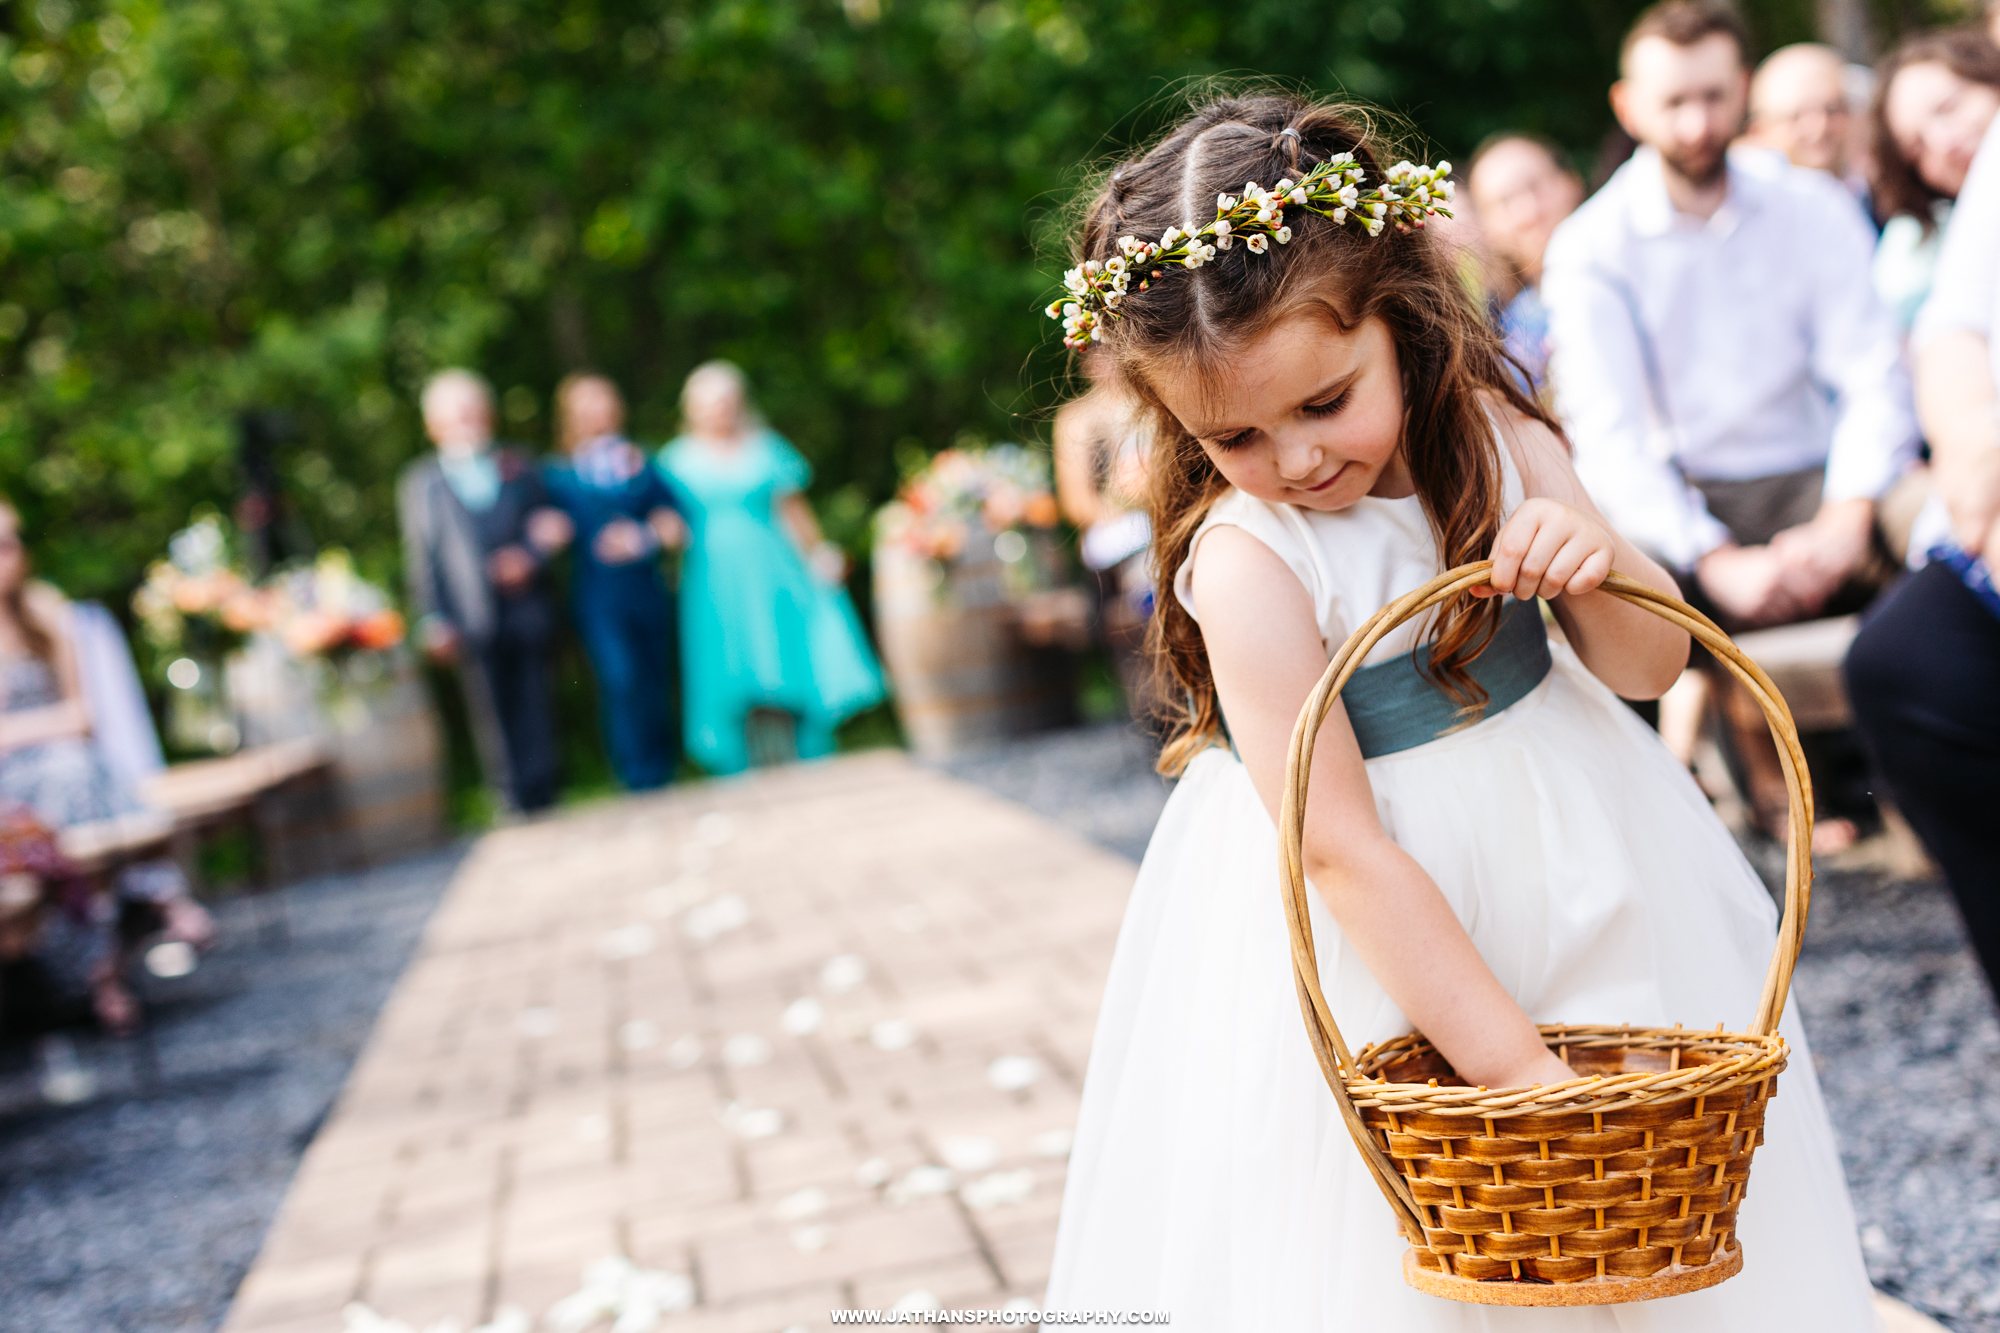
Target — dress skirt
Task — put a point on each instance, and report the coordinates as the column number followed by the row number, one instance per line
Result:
column 1211, row 1175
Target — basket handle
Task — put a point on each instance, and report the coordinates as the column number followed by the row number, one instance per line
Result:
column 1335, row 1060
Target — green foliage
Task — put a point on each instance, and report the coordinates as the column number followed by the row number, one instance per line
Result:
column 212, row 205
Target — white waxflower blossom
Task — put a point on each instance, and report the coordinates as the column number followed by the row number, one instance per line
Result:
column 1285, row 184
column 1298, row 196
column 1284, row 235
column 1252, row 190
column 1442, row 169
column 1222, row 227
column 1167, row 241
column 1223, row 203
column 1339, row 216
column 1263, row 215
column 1258, row 244
column 1378, row 209
column 1375, row 227
column 1224, row 242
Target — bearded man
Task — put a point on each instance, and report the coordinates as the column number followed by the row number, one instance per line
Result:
column 1733, row 388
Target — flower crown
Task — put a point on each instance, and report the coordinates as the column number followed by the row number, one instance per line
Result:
column 1408, row 194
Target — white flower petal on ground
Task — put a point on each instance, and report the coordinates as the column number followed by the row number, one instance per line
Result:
column 812, row 1239
column 1011, row 1073
column 627, row 942
column 508, row 1319
column 637, row 1034
column 753, row 1122
column 685, row 1053
column 358, row 1318
column 873, row 1172
column 714, row 828
column 803, row 1017
column 539, row 1021
column 746, row 1049
column 914, row 1302
column 893, row 1034
column 708, row 921
column 920, row 1182
column 800, row 1204
column 1052, row 1143
column 842, row 973
column 998, row 1188
column 969, row 1152
column 615, row 1288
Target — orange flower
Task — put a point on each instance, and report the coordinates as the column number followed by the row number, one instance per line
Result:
column 384, row 629
column 1040, row 510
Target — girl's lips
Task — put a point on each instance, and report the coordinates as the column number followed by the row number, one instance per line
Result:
column 1328, row 482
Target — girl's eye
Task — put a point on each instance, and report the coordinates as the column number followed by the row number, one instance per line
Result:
column 1331, row 406
column 1236, row 441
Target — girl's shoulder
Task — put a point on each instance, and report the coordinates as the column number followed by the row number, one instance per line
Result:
column 1280, row 527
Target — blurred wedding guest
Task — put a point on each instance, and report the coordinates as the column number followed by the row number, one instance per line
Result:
column 1100, row 461
column 48, row 761
column 623, row 514
column 58, row 946
column 1799, row 107
column 1924, row 672
column 1521, row 189
column 476, row 532
column 1733, row 388
column 769, row 640
column 1935, row 96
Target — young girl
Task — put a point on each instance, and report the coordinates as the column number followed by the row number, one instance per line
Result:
column 1334, row 426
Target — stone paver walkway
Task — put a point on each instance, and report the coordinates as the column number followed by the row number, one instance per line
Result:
column 739, row 1033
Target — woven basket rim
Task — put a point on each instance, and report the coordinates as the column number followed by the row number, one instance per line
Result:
column 1753, row 1057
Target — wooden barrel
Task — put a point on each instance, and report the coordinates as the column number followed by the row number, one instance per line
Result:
column 951, row 639
column 386, row 799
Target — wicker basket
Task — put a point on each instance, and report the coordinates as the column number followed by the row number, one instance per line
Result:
column 1620, row 1186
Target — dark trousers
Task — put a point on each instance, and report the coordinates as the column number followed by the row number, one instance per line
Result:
column 628, row 634
column 1924, row 674
column 507, row 693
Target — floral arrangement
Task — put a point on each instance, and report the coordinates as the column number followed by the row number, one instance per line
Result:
column 999, row 489
column 1407, row 195
column 330, row 611
column 197, row 601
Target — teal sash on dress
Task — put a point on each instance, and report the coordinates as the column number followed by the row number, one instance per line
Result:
column 1393, row 707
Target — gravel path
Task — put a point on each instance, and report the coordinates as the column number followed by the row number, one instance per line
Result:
column 1892, row 996
column 139, row 1210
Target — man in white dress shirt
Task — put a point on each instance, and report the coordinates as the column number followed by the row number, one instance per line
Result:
column 1733, row 388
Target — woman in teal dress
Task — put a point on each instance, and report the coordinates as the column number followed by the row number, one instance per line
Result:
column 765, row 622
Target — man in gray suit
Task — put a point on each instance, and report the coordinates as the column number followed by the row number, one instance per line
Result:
column 476, row 532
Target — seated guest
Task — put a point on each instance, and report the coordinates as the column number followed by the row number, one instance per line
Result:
column 1521, row 188
column 49, row 764
column 475, row 535
column 1100, row 461
column 1799, row 108
column 1935, row 96
column 1924, row 672
column 1732, row 387
column 623, row 513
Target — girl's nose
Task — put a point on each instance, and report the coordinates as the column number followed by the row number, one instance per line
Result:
column 1296, row 458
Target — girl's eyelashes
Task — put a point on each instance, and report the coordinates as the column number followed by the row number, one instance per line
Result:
column 1331, row 406
column 1236, row 441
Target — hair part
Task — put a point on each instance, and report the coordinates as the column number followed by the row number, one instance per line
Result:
column 1967, row 51
column 1191, row 322
column 1684, row 23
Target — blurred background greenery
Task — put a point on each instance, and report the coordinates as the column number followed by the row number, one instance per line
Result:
column 209, row 206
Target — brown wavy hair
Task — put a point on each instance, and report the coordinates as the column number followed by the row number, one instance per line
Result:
column 35, row 636
column 1893, row 182
column 1193, row 321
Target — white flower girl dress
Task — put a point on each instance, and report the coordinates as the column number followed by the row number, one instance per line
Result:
column 1211, row 1175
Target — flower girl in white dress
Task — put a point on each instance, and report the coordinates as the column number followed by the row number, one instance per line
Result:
column 1334, row 425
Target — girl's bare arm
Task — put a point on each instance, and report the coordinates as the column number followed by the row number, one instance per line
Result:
column 1265, row 650
column 1630, row 649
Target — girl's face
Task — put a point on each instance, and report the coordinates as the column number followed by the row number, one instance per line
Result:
column 1937, row 120
column 1309, row 414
